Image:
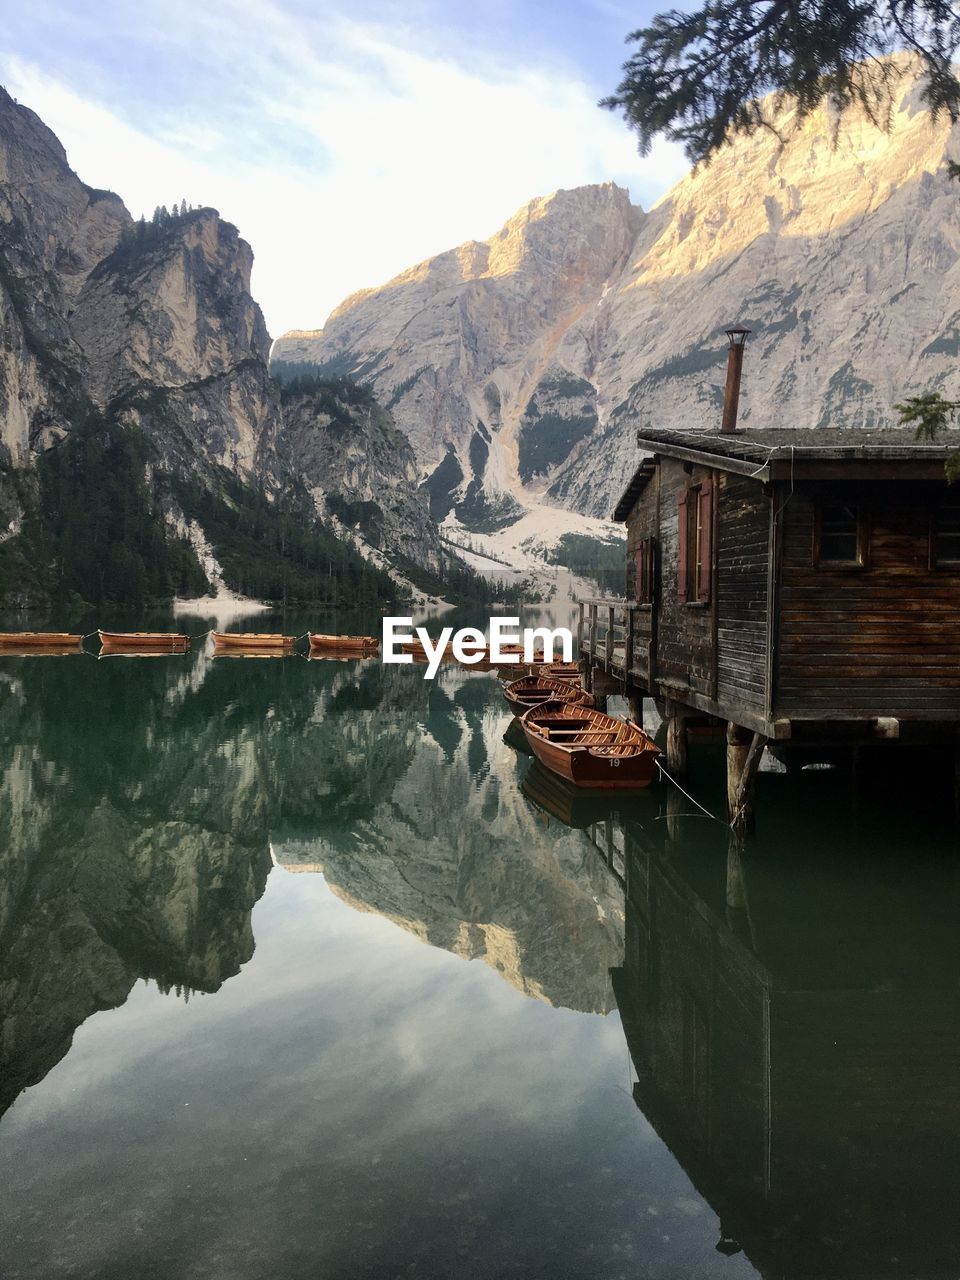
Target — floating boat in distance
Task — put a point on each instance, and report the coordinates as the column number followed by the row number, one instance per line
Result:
column 534, row 690
column 144, row 642
column 30, row 640
column 258, row 643
column 347, row 645
column 588, row 748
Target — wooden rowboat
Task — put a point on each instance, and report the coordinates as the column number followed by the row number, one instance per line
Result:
column 255, row 640
column 343, row 644
column 39, row 640
column 590, row 749
column 144, row 641
column 534, row 690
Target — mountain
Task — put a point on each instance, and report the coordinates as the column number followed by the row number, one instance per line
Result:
column 134, row 360
column 521, row 367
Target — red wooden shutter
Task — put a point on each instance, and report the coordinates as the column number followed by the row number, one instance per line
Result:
column 682, row 534
column 706, row 541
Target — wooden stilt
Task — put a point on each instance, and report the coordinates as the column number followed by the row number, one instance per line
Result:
column 600, row 700
column 635, row 702
column 676, row 740
column 744, row 753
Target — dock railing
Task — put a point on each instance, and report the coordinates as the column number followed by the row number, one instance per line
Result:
column 616, row 635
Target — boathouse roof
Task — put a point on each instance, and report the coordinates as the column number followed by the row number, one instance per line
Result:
column 785, row 453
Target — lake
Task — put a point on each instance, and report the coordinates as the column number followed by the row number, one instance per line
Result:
column 306, row 969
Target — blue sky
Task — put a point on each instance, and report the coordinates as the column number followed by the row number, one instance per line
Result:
column 347, row 139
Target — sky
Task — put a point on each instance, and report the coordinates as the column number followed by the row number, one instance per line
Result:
column 347, row 139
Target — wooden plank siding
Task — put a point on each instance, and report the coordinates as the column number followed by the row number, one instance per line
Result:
column 685, row 646
column 878, row 640
column 642, row 524
column 743, row 550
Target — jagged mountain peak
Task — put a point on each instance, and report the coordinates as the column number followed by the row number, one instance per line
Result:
column 526, row 386
column 541, row 224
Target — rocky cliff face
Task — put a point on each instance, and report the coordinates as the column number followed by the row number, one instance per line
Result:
column 457, row 346
column 152, row 326
column 526, row 364
column 360, row 470
column 171, row 333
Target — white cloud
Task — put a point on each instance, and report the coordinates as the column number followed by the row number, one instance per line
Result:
column 343, row 152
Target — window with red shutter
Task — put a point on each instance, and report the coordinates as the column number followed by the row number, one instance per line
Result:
column 705, row 542
column 683, row 544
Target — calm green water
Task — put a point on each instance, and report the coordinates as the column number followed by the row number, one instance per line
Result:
column 306, row 972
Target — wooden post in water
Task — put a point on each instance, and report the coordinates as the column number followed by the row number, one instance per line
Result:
column 676, row 739
column 744, row 752
column 635, row 703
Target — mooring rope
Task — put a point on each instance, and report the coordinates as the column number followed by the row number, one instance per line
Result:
column 702, row 808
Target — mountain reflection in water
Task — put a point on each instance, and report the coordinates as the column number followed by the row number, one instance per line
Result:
column 790, row 1009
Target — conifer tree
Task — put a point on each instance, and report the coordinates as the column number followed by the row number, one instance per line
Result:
column 697, row 74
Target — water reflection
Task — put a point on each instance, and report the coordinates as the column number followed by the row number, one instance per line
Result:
column 146, row 803
column 791, row 1010
column 793, row 1015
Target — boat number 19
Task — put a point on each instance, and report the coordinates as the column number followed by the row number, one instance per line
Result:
column 614, row 762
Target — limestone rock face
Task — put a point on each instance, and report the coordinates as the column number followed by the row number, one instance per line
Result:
column 839, row 248
column 456, row 346
column 53, row 231
column 362, row 472
column 176, row 320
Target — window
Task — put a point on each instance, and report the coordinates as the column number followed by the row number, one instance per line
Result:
column 946, row 537
column 838, row 535
column 695, row 551
column 644, row 569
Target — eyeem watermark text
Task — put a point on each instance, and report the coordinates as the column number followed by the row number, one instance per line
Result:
column 470, row 645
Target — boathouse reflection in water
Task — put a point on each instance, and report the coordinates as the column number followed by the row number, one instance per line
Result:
column 795, row 1033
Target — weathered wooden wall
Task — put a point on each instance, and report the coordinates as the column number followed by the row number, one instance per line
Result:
column 642, row 523
column 685, row 642
column 881, row 640
column 743, row 552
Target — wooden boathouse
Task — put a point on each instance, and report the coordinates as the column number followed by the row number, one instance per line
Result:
column 800, row 586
